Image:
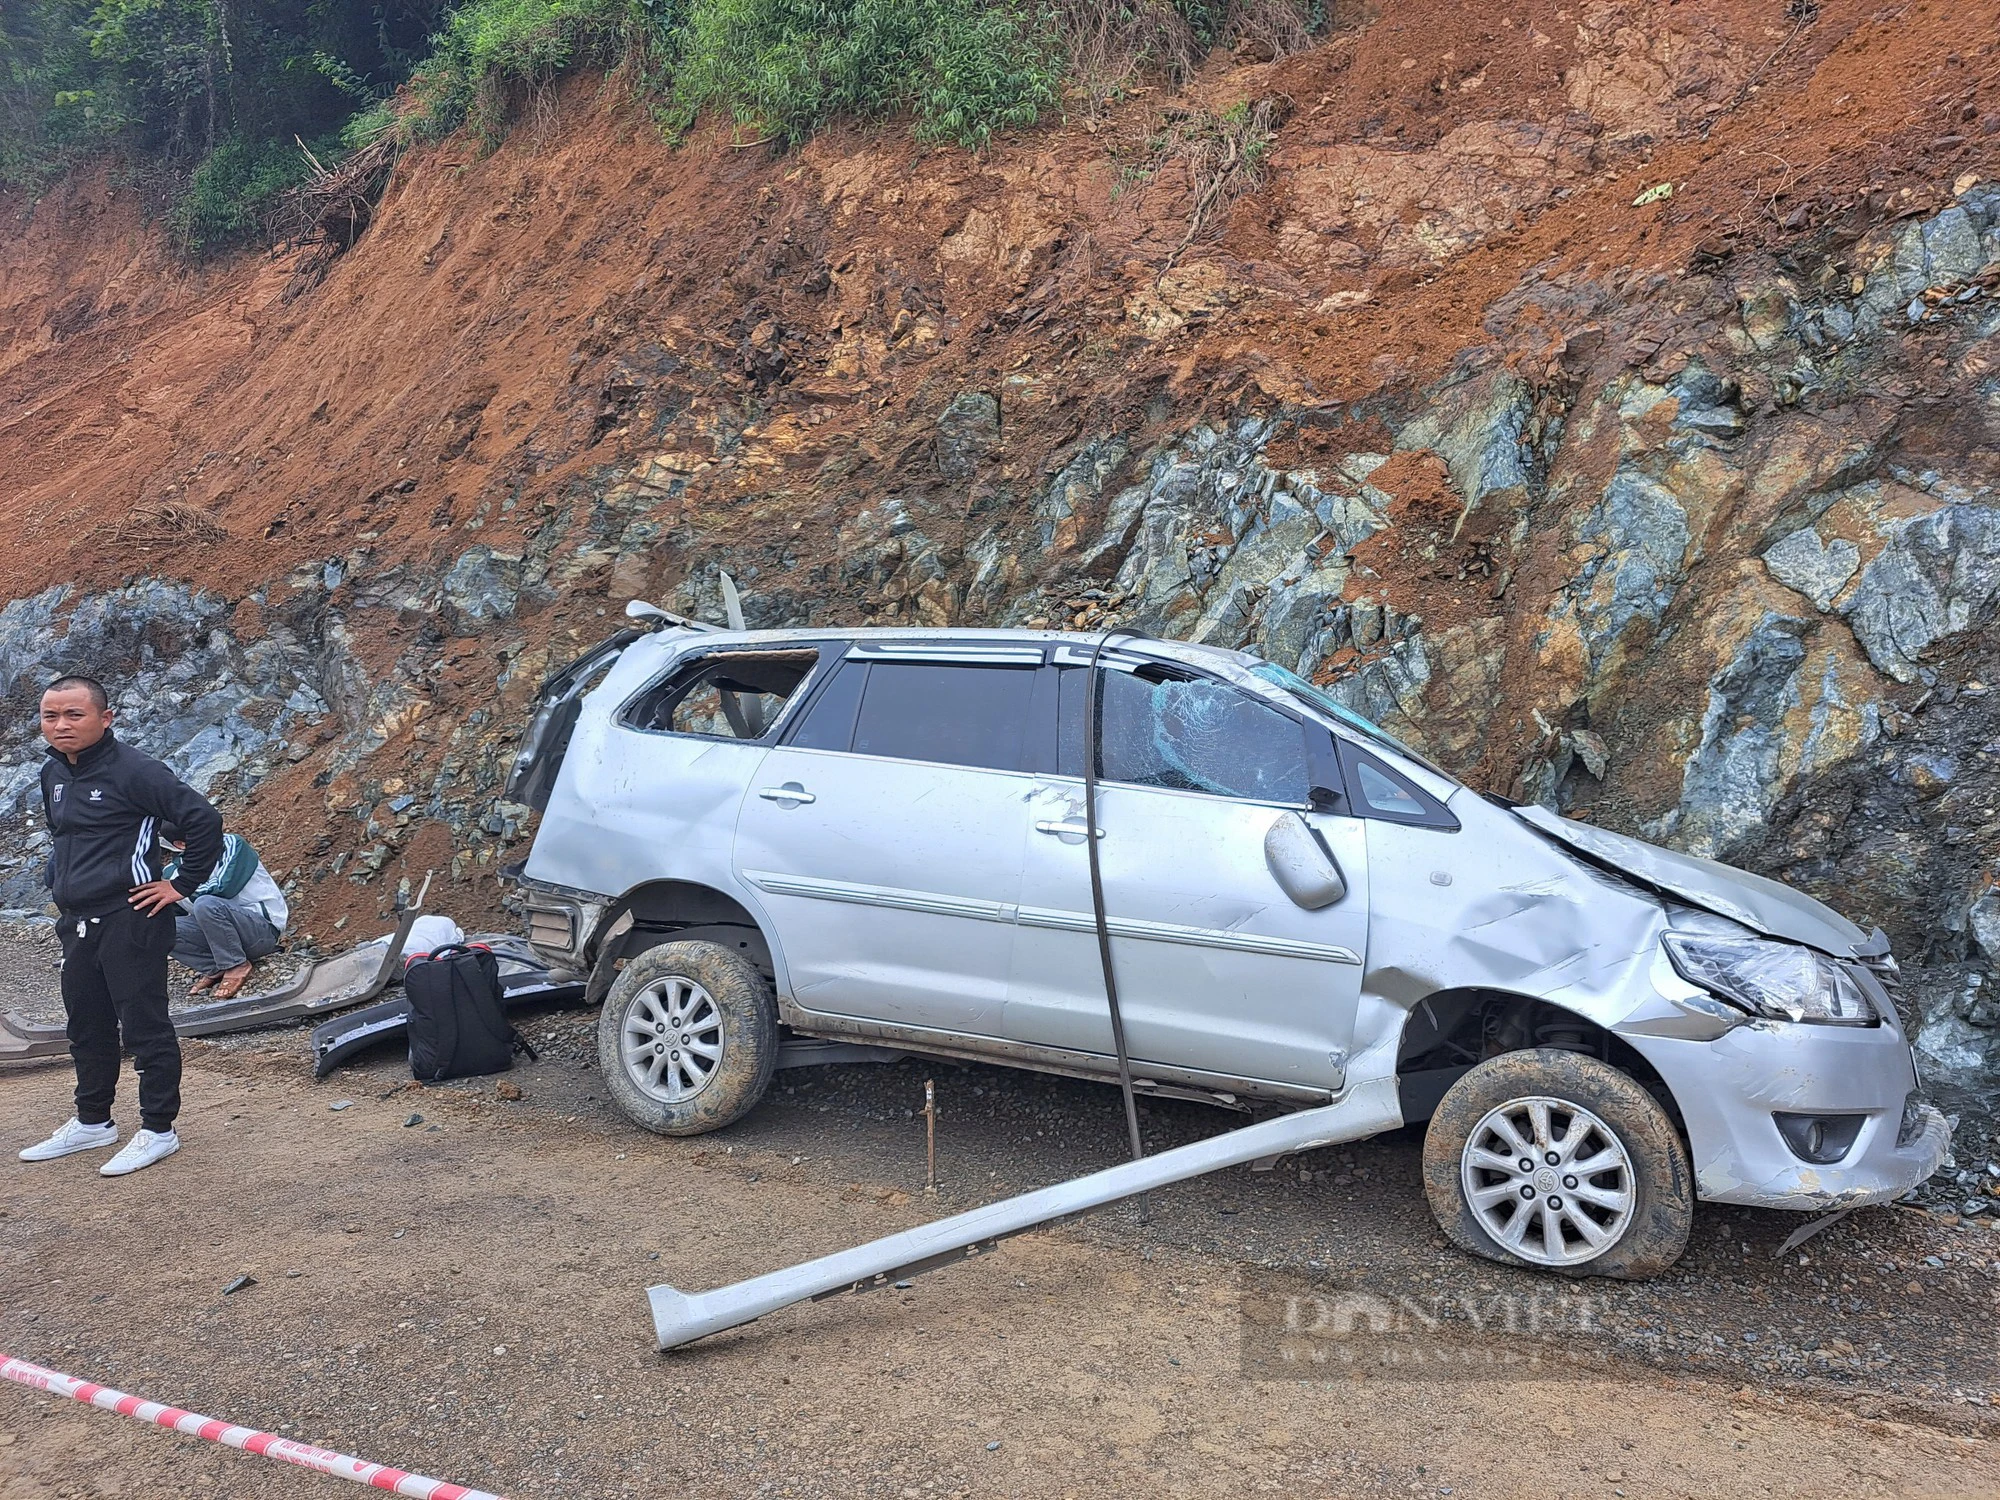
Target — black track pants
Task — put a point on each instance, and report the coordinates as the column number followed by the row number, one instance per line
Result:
column 114, row 984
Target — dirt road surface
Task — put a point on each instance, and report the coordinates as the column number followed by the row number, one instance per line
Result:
column 462, row 1294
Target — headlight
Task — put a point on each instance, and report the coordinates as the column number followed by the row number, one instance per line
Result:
column 1780, row 980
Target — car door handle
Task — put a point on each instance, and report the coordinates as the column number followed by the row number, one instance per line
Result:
column 791, row 794
column 1064, row 830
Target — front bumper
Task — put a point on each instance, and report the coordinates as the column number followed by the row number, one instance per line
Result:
column 1729, row 1090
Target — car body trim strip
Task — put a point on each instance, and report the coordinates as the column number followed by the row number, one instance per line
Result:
column 1048, row 918
column 892, row 897
column 682, row 1317
column 948, row 653
column 1194, row 937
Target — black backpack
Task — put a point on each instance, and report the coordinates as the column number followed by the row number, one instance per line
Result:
column 458, row 1017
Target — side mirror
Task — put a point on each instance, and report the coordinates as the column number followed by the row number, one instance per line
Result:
column 1302, row 865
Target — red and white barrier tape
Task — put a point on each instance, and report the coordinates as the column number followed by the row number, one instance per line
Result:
column 264, row 1444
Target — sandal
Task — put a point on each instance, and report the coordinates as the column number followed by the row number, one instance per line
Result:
column 204, row 982
column 229, row 986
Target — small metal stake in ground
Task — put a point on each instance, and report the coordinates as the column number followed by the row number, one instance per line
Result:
column 930, row 1137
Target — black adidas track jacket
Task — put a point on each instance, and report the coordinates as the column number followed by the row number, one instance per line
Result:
column 105, row 815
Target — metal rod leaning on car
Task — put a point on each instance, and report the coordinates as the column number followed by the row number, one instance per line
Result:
column 682, row 1317
column 1093, row 710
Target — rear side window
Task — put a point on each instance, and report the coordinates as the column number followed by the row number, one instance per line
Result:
column 958, row 715
column 1164, row 728
column 729, row 695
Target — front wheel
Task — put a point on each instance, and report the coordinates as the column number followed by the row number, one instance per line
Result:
column 688, row 1038
column 1552, row 1159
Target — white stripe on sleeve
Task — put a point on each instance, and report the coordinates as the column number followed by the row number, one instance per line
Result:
column 142, row 871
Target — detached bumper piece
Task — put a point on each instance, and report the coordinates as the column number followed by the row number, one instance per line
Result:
column 346, row 980
column 335, row 1041
column 523, row 981
column 682, row 1317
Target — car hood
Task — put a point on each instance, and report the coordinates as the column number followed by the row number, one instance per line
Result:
column 1763, row 905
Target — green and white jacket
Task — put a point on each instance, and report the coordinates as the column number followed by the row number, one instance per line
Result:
column 240, row 878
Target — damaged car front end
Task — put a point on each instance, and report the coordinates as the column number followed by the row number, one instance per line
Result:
column 1788, row 1058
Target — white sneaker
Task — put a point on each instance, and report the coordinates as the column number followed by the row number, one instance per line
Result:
column 142, row 1150
column 73, row 1137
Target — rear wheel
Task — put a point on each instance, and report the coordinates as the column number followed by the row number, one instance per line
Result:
column 688, row 1038
column 1552, row 1159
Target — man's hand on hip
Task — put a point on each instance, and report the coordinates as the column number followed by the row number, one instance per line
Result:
column 155, row 896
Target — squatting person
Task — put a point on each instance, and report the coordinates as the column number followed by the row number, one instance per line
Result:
column 237, row 917
column 106, row 803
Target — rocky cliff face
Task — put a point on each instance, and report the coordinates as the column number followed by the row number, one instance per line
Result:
column 1604, row 399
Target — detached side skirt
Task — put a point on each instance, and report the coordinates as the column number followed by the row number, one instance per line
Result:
column 22, row 1041
column 346, row 979
column 682, row 1317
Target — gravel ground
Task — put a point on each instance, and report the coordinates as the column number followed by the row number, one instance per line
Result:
column 1107, row 1353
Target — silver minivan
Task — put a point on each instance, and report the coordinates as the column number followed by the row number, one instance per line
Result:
column 766, row 840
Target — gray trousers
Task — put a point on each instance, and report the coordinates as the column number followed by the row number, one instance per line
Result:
column 222, row 934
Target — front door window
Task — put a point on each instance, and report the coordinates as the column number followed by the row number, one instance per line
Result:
column 1186, row 733
column 1220, row 973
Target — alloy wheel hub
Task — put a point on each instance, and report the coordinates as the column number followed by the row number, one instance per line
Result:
column 672, row 1039
column 1548, row 1180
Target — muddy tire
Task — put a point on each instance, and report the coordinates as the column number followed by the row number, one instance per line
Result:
column 1500, row 1160
column 688, row 1038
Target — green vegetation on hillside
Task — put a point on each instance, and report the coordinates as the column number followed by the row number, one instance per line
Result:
column 963, row 68
column 223, row 92
column 217, row 91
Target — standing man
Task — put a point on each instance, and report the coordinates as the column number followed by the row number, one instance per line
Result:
column 105, row 803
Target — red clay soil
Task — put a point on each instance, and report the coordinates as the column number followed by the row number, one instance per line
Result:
column 446, row 349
